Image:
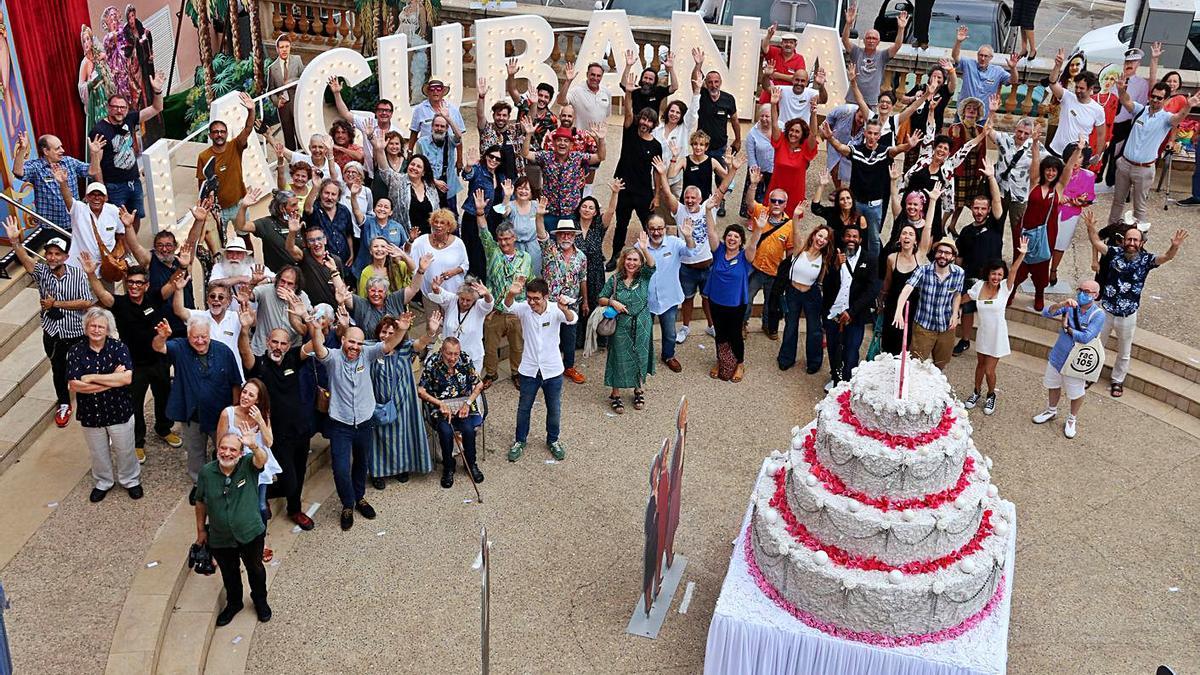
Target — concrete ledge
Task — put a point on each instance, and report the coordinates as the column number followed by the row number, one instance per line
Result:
column 29, row 415
column 19, row 317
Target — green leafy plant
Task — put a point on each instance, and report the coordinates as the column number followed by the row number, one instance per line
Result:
column 228, row 75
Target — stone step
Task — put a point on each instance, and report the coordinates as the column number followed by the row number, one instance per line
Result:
column 10, row 287
column 1149, row 348
column 27, row 417
column 21, row 369
column 18, row 319
column 1154, row 382
column 143, row 641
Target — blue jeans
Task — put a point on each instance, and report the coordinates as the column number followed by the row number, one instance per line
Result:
column 666, row 323
column 760, row 280
column 348, row 449
column 795, row 302
column 129, row 195
column 552, row 391
column 566, row 342
column 844, row 346
column 465, row 426
column 874, row 216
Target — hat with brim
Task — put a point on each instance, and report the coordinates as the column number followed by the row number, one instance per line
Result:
column 425, row 87
column 57, row 242
column 236, row 245
column 788, row 36
column 566, row 226
column 96, row 187
column 970, row 100
column 1134, row 54
column 563, row 132
column 946, row 241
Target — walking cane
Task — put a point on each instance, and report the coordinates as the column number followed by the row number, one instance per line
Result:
column 459, row 448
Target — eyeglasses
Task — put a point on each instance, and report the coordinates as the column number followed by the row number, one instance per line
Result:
column 315, row 240
column 216, row 297
column 778, row 201
column 494, row 158
column 135, row 282
column 436, row 87
column 383, row 110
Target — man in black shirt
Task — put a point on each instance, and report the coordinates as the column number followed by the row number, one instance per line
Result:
column 119, row 161
column 979, row 244
column 280, row 368
column 870, row 180
column 716, row 114
column 649, row 93
column 278, row 230
column 137, row 313
column 634, row 168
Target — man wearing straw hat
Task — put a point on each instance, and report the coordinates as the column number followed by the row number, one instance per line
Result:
column 938, row 309
column 435, row 103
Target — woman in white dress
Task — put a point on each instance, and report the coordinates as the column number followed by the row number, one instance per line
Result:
column 991, row 340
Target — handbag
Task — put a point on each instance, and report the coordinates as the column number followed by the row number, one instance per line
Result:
column 322, row 401
column 112, row 262
column 608, row 325
column 876, row 345
column 386, row 413
column 1086, row 359
column 1039, row 242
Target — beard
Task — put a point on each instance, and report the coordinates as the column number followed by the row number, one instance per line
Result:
column 942, row 262
column 227, row 464
column 276, row 355
column 439, row 138
column 646, row 88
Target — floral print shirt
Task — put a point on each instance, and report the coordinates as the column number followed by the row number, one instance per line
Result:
column 561, row 273
column 448, row 382
column 1121, row 293
column 563, row 182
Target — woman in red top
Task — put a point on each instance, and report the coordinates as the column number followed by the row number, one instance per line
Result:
column 795, row 147
column 1046, row 183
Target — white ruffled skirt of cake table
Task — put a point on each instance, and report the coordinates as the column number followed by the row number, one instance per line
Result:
column 749, row 634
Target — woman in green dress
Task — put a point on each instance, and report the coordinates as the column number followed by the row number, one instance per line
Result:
column 630, row 349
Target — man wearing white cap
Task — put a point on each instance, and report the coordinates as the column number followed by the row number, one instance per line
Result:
column 236, row 266
column 784, row 59
column 65, row 295
column 1138, row 88
column 96, row 225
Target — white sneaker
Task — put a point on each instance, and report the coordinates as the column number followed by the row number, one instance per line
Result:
column 973, row 399
column 1069, row 427
column 710, row 331
column 989, row 405
column 682, row 333
column 1045, row 416
column 830, row 385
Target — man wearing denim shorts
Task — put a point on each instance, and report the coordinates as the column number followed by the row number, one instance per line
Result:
column 119, row 163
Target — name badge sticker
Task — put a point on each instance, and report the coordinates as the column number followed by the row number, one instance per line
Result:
column 289, row 372
column 546, row 324
column 241, row 482
column 148, row 311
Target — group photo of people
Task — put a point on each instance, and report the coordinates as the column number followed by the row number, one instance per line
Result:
column 401, row 281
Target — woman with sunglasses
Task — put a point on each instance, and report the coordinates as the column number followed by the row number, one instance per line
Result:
column 481, row 173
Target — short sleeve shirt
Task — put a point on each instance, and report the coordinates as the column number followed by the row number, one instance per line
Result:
column 1146, row 135
column 937, row 295
column 981, row 83
column 119, row 161
column 47, row 196
column 111, row 406
column 870, row 73
column 785, row 68
column 231, row 502
column 562, row 274
column 136, row 322
column 72, row 285
column 652, row 100
column 563, row 181
column 1075, row 119
column 1121, row 294
column 714, row 118
column 773, row 249
column 273, row 234
column 85, row 225
column 727, row 279
column 227, row 164
column 634, row 166
column 591, row 107
column 352, row 395
column 446, row 382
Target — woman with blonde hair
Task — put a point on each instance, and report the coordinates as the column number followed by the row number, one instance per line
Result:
column 625, row 297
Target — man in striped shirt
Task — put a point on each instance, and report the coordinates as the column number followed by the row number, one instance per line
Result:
column 938, row 307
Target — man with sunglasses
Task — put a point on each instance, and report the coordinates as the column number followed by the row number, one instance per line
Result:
column 435, row 103
column 1135, row 163
column 776, row 240
column 222, row 323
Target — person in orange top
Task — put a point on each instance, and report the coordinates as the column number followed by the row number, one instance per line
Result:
column 776, row 225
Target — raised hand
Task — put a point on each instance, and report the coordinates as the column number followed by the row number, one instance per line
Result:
column 527, row 125
column 1023, row 247
column 248, row 433
column 511, row 66
column 516, row 286
column 59, row 173
column 424, row 263
column 776, row 94
column 698, row 56
column 616, row 186
column 658, row 165
column 599, row 130
column 994, row 103
column 23, row 143
column 630, row 84
column 434, row 323
column 1156, row 51
column 901, row 23
column 630, row 58
column 245, row 316
column 12, row 229
column 96, row 144
column 986, row 169
column 851, row 13
column 824, row 178
column 946, row 64
column 158, row 82
column 819, row 77
column 335, row 85
column 404, row 321
column 826, row 130
column 294, row 224
column 163, row 329
column 507, row 187
column 669, row 62
column 480, row 200
column 851, row 73
column 755, row 174
column 1060, row 57
column 252, row 196
column 643, row 240
column 245, row 100
column 281, row 151
column 1178, row 238
column 543, row 205
column 569, row 72
column 962, row 34
column 481, row 86
column 127, row 218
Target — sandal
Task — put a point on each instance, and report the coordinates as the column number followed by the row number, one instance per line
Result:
column 617, row 406
column 738, row 373
column 268, row 554
column 1116, row 389
column 639, row 399
column 716, row 370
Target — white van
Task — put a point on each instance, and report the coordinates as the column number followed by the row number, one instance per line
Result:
column 1107, row 44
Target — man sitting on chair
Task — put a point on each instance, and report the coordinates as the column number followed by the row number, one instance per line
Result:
column 450, row 388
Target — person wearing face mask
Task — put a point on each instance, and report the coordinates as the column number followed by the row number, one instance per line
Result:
column 938, row 309
column 65, row 294
column 980, row 242
column 505, row 263
column 1082, row 321
column 443, row 149
column 279, row 368
column 351, row 423
column 206, row 379
column 848, row 305
column 564, row 267
column 990, row 296
column 227, row 500
column 1123, row 273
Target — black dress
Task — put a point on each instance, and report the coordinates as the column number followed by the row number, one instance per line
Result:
column 893, row 337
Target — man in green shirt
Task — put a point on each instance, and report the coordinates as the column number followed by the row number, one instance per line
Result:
column 505, row 264
column 227, row 496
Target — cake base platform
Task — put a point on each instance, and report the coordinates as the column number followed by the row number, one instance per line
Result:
column 749, row 633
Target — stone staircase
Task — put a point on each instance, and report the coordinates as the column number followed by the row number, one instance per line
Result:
column 27, row 398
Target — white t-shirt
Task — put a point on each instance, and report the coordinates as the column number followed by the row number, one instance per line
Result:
column 224, row 331
column 468, row 328
column 1075, row 119
column 697, row 223
column 795, row 106
column 454, row 255
column 83, row 237
column 590, row 108
column 805, row 271
column 328, row 170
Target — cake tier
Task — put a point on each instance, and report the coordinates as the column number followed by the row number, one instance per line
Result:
column 882, row 464
column 873, row 396
column 894, row 531
column 879, row 600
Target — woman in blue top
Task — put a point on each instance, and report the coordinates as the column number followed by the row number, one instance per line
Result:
column 728, row 293
column 485, row 173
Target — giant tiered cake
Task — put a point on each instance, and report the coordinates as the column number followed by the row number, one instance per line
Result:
column 881, row 524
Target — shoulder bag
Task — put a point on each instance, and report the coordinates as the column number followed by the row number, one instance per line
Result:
column 1039, row 241
column 1086, row 360
column 112, row 263
column 608, row 326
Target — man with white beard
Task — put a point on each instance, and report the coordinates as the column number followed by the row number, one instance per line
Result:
column 443, row 149
column 236, row 267
column 280, row 367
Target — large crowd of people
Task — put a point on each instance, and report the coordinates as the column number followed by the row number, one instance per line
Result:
column 395, row 266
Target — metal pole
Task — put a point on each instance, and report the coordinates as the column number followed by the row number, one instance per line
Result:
column 174, row 50
column 485, row 600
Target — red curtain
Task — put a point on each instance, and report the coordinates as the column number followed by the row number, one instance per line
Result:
column 49, row 52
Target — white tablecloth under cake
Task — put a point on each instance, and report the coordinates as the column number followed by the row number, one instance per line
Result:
column 751, row 634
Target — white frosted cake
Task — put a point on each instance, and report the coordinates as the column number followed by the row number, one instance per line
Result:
column 881, row 523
